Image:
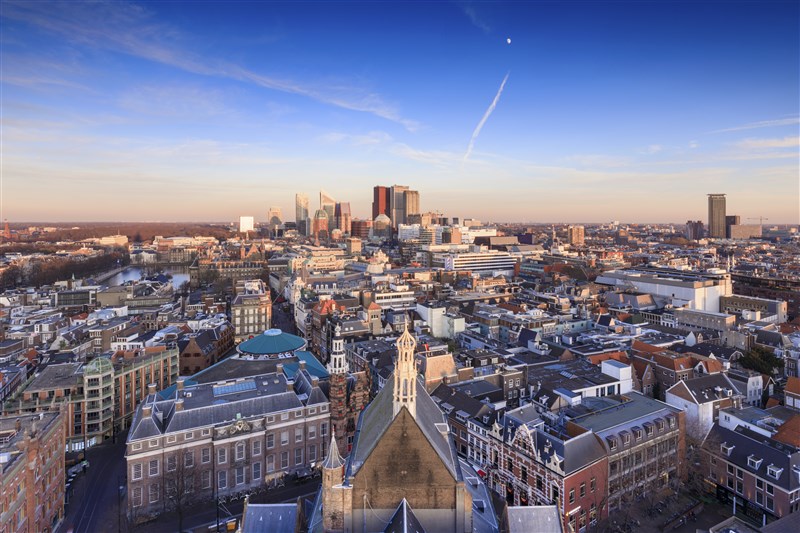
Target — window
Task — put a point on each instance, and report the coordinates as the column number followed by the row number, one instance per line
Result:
column 206, row 432
column 298, row 456
column 188, row 459
column 739, row 486
column 593, row 514
column 205, row 479
column 256, row 447
column 136, row 473
column 323, row 429
column 583, row 489
column 137, row 496
column 284, row 416
column 154, row 489
column 284, row 460
column 270, row 441
column 240, row 475
column 312, row 452
column 153, row 471
column 205, row 455
column 189, row 435
column 582, row 522
column 759, row 484
column 171, row 439
column 239, row 451
column 153, row 443
column 257, row 471
column 172, row 463
column 571, row 495
column 739, row 473
column 770, row 489
column 730, row 469
column 770, row 504
column 136, row 447
column 298, row 435
column 759, row 498
column 626, row 439
column 188, row 485
column 593, row 485
column 222, row 456
column 774, row 472
column 555, row 492
column 284, row 438
column 270, row 463
column 312, row 432
column 222, row 479
column 638, row 434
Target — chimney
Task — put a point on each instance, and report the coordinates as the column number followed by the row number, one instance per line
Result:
column 279, row 368
column 302, row 365
column 179, row 405
column 180, row 383
column 147, row 411
column 151, row 388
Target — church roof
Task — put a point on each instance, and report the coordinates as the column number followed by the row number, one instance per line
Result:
column 377, row 417
column 404, row 520
column 271, row 342
column 276, row 517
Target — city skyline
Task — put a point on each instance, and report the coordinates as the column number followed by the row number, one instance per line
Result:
column 532, row 112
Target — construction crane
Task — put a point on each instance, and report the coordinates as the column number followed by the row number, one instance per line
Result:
column 760, row 219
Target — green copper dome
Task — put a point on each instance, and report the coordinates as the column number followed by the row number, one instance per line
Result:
column 271, row 343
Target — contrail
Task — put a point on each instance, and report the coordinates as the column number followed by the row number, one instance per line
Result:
column 485, row 118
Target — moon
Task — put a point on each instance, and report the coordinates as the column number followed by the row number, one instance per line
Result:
column 508, row 40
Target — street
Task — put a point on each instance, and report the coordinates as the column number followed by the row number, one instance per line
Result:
column 94, row 500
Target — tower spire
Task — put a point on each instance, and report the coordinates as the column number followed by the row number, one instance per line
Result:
column 338, row 362
column 333, row 459
column 405, row 375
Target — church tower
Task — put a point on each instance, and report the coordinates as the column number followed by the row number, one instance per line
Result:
column 337, row 367
column 332, row 491
column 405, row 375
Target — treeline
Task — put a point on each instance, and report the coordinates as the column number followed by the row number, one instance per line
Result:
column 50, row 269
column 135, row 231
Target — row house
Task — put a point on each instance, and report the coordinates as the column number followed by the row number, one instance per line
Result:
column 32, row 472
column 760, row 473
column 98, row 398
column 701, row 399
column 212, row 440
column 644, row 440
column 206, row 346
column 535, row 464
column 662, row 368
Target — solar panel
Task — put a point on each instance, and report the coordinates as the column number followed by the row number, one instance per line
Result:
column 242, row 386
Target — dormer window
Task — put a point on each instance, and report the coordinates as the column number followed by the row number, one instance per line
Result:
column 638, row 434
column 754, row 462
column 626, row 438
column 774, row 472
column 726, row 448
column 612, row 443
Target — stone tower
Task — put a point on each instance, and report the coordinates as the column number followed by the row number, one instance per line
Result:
column 405, row 375
column 332, row 490
column 337, row 367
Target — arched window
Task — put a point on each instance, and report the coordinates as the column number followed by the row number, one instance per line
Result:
column 239, row 451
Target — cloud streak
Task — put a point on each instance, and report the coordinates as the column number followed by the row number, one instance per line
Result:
column 126, row 28
column 485, row 118
column 786, row 142
column 762, row 124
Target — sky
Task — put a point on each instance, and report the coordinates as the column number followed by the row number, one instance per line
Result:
column 508, row 112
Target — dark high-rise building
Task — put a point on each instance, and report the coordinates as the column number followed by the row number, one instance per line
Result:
column 731, row 220
column 716, row 216
column 343, row 217
column 694, row 230
column 381, row 201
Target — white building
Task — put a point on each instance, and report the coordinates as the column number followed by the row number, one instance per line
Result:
column 246, row 224
column 486, row 262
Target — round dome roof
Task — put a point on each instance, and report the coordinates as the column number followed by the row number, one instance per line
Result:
column 383, row 219
column 271, row 342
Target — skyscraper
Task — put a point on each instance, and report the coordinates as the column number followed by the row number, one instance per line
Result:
column 397, row 205
column 343, row 216
column 411, row 199
column 301, row 213
column 716, row 216
column 381, row 201
column 328, row 204
column 576, row 235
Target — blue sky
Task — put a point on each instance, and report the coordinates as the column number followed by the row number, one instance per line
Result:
column 626, row 111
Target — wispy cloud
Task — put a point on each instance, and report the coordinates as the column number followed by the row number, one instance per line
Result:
column 762, row 124
column 485, row 118
column 753, row 144
column 371, row 138
column 652, row 149
column 693, row 144
column 127, row 28
column 472, row 14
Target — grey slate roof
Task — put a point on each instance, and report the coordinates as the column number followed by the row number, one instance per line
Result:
column 404, row 520
column 541, row 519
column 274, row 518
